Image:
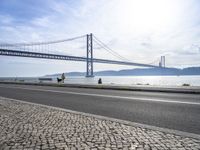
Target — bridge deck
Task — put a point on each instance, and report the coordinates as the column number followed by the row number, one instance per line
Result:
column 17, row 53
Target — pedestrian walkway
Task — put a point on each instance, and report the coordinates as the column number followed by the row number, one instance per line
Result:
column 29, row 126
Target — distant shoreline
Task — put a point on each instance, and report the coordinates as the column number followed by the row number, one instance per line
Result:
column 97, row 76
column 116, row 75
column 190, row 71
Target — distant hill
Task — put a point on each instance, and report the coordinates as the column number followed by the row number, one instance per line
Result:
column 139, row 72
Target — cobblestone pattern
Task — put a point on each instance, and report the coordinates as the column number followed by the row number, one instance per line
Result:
column 28, row 126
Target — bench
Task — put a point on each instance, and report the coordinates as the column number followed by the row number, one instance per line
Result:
column 44, row 79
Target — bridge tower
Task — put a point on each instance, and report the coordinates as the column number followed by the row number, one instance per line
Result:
column 162, row 62
column 89, row 67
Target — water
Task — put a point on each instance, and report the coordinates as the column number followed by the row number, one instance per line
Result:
column 124, row 80
column 140, row 80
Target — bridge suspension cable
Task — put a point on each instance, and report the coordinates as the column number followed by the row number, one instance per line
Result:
column 155, row 61
column 41, row 43
column 108, row 49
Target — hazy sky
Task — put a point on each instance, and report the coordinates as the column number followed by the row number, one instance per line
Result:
column 140, row 30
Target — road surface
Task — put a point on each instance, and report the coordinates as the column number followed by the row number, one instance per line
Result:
column 177, row 111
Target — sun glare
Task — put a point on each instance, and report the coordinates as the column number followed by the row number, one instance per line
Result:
column 145, row 15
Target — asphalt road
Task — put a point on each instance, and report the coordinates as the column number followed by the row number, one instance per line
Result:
column 177, row 111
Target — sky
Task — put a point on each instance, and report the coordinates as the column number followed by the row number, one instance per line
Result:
column 139, row 30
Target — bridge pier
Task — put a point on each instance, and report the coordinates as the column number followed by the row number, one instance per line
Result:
column 89, row 67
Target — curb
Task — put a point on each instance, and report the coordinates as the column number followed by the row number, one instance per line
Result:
column 129, row 123
column 108, row 87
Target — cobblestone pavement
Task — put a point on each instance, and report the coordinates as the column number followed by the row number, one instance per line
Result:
column 29, row 126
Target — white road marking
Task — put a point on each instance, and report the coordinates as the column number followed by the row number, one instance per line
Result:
column 107, row 96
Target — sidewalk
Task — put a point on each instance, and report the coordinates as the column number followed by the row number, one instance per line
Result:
column 147, row 88
column 30, row 126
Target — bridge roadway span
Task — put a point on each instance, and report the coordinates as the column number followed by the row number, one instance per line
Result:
column 169, row 110
column 17, row 53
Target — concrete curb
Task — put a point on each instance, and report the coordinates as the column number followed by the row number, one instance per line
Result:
column 188, row 90
column 129, row 123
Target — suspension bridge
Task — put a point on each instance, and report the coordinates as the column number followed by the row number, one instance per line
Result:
column 40, row 50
